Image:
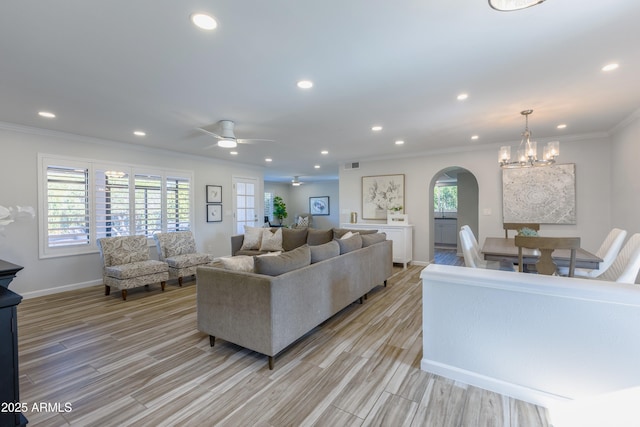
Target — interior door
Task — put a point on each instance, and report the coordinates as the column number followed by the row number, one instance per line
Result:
column 246, row 205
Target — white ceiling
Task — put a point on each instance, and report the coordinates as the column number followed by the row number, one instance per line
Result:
column 107, row 68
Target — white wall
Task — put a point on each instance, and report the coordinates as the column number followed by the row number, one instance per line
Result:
column 625, row 175
column 19, row 242
column 591, row 156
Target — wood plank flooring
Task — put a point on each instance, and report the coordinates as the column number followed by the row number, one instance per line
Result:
column 143, row 362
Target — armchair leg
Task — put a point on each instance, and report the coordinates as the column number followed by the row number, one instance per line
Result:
column 212, row 340
column 180, row 281
column 162, row 285
column 107, row 290
column 124, row 294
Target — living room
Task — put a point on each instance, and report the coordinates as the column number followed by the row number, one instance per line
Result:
column 605, row 153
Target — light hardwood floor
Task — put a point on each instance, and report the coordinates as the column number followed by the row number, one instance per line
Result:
column 143, row 362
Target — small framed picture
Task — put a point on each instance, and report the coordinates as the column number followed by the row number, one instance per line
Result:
column 214, row 213
column 214, row 194
column 319, row 205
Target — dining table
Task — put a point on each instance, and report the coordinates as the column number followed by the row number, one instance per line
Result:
column 505, row 249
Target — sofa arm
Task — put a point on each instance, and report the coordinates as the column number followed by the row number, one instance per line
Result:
column 236, row 243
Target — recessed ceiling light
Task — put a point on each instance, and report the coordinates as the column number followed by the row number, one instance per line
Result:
column 47, row 114
column 204, row 21
column 376, row 128
column 474, row 137
column 562, row 126
column 139, row 133
column 399, row 142
column 305, row 84
column 324, row 152
column 317, row 166
column 268, row 159
column 462, row 96
column 610, row 67
column 233, row 153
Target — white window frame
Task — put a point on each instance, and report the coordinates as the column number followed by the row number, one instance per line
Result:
column 92, row 165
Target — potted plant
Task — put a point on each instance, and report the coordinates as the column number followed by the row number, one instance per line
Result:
column 279, row 209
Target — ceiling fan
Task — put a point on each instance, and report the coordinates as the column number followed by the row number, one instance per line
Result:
column 223, row 131
column 296, row 182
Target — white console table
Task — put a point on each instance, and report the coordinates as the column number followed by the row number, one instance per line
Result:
column 400, row 235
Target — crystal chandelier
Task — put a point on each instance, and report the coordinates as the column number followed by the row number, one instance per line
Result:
column 528, row 150
column 508, row 5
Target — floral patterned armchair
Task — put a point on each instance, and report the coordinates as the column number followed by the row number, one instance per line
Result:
column 178, row 250
column 126, row 264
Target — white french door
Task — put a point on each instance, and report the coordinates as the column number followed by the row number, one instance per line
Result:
column 246, row 204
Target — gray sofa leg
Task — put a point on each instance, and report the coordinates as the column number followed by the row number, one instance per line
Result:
column 270, row 363
column 212, row 340
column 361, row 300
column 385, row 283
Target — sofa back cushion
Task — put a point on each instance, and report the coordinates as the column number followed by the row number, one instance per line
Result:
column 319, row 237
column 350, row 244
column 339, row 232
column 325, row 251
column 293, row 238
column 283, row 263
column 372, row 239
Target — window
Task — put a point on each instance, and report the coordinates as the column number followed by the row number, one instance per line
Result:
column 81, row 201
column 268, row 206
column 445, row 198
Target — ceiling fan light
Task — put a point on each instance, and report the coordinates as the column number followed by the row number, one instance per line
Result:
column 227, row 143
column 509, row 5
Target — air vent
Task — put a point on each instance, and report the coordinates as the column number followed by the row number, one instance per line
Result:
column 352, row 165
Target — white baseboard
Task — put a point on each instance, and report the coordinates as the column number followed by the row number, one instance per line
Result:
column 58, row 289
column 537, row 397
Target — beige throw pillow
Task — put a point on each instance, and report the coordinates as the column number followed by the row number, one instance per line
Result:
column 348, row 234
column 252, row 238
column 238, row 263
column 271, row 240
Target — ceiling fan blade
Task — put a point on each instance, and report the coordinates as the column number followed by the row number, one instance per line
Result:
column 253, row 140
column 208, row 132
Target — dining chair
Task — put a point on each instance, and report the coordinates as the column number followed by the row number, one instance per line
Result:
column 626, row 266
column 474, row 241
column 517, row 226
column 546, row 246
column 473, row 257
column 608, row 251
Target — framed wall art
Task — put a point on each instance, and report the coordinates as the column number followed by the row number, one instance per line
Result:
column 380, row 194
column 544, row 195
column 319, row 205
column 214, row 213
column 214, row 194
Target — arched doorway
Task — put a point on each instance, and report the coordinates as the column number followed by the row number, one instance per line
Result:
column 453, row 201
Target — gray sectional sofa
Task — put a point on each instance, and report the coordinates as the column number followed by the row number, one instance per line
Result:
column 267, row 309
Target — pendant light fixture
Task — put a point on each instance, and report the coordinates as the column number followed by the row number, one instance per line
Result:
column 509, row 5
column 528, row 150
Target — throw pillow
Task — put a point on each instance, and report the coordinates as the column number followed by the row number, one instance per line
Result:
column 351, row 244
column 303, row 221
column 271, row 240
column 293, row 238
column 326, row 251
column 372, row 239
column 348, row 235
column 238, row 263
column 252, row 238
column 339, row 232
column 319, row 237
column 287, row 261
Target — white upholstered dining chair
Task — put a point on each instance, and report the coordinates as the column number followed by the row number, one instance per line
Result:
column 608, row 251
column 473, row 256
column 626, row 266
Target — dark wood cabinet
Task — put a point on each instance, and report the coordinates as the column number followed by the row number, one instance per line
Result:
column 9, row 374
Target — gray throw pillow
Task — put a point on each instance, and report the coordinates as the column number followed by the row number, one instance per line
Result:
column 325, row 251
column 351, row 244
column 319, row 237
column 372, row 239
column 287, row 261
column 293, row 238
column 339, row 232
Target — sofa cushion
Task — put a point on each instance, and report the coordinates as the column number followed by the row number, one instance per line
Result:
column 372, row 239
column 339, row 232
column 287, row 261
column 271, row 240
column 238, row 263
column 326, row 251
column 293, row 238
column 136, row 269
column 319, row 237
column 188, row 260
column 252, row 238
column 351, row 244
